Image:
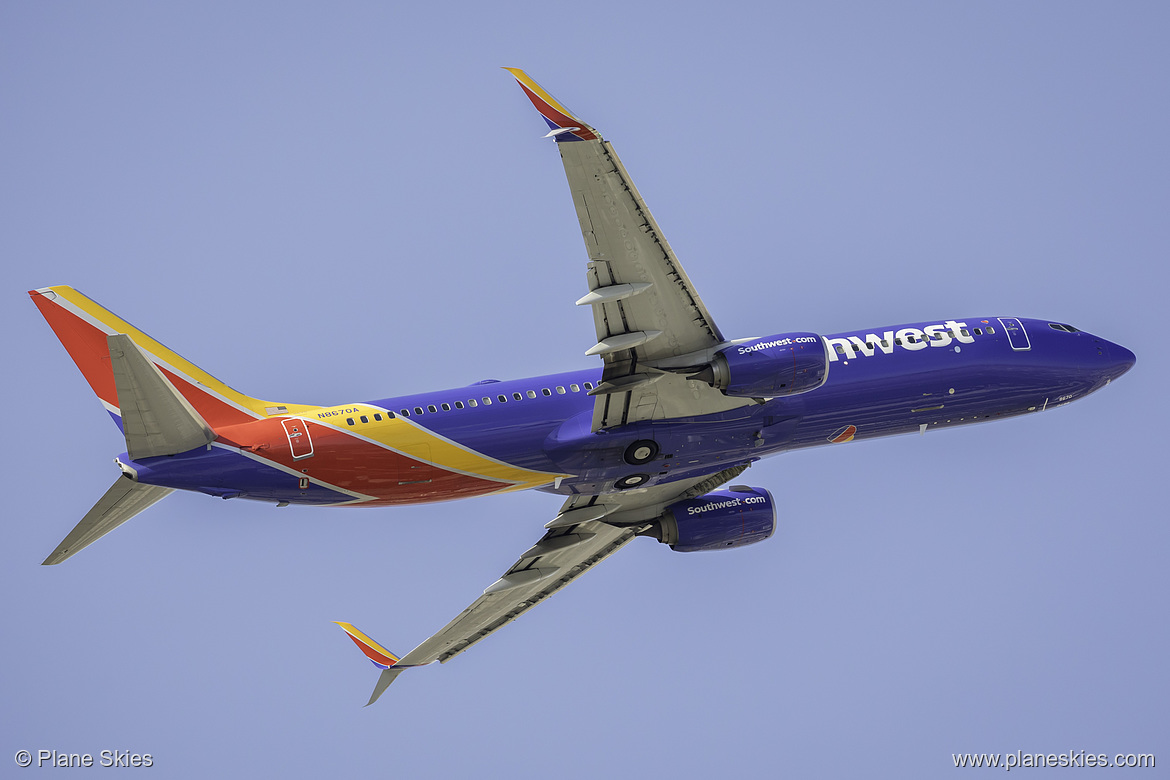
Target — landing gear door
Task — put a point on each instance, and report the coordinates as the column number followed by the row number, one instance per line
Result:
column 298, row 438
column 1017, row 336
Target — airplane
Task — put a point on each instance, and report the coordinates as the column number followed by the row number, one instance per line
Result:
column 646, row 444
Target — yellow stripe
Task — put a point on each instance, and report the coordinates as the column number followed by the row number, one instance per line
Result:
column 397, row 434
column 353, row 631
column 116, row 324
column 527, row 81
column 415, row 441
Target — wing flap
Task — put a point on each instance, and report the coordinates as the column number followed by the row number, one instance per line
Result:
column 122, row 501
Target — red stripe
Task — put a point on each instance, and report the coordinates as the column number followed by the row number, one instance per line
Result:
column 211, row 408
column 84, row 343
column 553, row 115
column 358, row 465
column 371, row 653
column 88, row 347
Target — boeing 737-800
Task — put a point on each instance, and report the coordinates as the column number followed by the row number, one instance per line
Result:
column 645, row 444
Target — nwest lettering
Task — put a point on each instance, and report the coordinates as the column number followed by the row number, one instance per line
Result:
column 912, row 339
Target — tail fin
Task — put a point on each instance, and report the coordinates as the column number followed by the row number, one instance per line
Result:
column 378, row 655
column 83, row 327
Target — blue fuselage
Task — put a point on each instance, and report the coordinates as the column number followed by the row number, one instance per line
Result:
column 901, row 379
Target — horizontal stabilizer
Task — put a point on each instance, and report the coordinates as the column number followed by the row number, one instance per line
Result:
column 156, row 418
column 122, row 501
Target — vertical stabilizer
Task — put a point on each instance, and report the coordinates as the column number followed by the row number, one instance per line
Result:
column 84, row 327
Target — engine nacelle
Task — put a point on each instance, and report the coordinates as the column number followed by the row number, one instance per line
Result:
column 718, row 520
column 784, row 364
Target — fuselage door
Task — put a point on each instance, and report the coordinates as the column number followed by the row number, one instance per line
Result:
column 298, row 438
column 1017, row 336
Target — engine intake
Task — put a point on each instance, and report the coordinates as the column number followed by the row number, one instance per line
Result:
column 784, row 364
column 718, row 520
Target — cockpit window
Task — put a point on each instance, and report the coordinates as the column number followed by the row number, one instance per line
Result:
column 1061, row 326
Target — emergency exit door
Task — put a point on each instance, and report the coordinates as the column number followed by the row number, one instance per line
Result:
column 298, row 438
column 1017, row 336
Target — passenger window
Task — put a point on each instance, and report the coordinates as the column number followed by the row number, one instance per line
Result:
column 418, row 410
column 517, row 396
column 532, row 394
column 349, row 421
column 965, row 333
column 364, row 419
column 990, row 331
column 458, row 404
column 588, row 385
column 546, row 391
column 840, row 349
column 575, row 388
column 431, row 408
column 978, row 332
column 898, row 342
column 405, row 412
column 471, row 402
column 487, row 401
column 446, row 407
column 377, row 417
column 560, row 390
column 503, row 398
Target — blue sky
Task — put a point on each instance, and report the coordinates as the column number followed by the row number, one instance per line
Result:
column 328, row 204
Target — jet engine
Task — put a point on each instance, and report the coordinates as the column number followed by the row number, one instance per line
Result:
column 784, row 364
column 718, row 520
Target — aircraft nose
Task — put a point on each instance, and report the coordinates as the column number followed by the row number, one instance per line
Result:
column 1120, row 360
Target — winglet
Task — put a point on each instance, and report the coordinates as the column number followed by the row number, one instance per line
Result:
column 563, row 125
column 378, row 655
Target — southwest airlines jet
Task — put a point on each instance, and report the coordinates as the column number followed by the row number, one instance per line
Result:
column 647, row 444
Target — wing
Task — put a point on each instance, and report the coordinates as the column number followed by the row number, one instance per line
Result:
column 651, row 328
column 651, row 323
column 587, row 530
